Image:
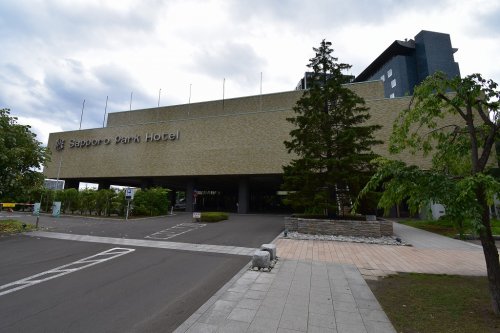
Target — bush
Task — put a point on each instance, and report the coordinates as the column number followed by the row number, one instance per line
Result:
column 151, row 202
column 213, row 216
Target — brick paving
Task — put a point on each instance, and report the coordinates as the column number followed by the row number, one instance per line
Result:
column 385, row 259
column 429, row 253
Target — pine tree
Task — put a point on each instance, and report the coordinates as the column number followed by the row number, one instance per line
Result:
column 332, row 145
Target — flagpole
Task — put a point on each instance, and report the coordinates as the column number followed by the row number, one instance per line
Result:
column 81, row 116
column 189, row 100
column 260, row 91
column 105, row 110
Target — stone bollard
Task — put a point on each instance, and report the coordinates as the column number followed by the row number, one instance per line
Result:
column 271, row 248
column 261, row 259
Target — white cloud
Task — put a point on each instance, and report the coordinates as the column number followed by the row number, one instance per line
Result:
column 40, row 127
column 56, row 53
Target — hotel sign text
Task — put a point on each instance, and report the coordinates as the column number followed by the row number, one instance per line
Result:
column 118, row 140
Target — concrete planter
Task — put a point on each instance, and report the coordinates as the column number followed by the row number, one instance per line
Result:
column 376, row 228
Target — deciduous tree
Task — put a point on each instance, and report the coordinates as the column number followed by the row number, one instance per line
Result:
column 21, row 157
column 456, row 121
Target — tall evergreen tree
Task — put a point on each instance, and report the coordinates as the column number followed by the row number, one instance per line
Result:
column 331, row 141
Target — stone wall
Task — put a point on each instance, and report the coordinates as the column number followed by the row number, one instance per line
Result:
column 376, row 228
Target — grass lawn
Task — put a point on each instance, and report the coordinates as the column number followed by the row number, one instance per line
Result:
column 446, row 227
column 436, row 303
column 12, row 226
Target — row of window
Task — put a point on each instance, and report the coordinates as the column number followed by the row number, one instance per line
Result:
column 393, row 81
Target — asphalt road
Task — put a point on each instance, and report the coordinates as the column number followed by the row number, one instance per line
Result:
column 238, row 230
column 146, row 290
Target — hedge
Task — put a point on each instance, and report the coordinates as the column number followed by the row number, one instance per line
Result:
column 213, row 216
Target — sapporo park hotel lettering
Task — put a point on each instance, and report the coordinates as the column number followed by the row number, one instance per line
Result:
column 148, row 137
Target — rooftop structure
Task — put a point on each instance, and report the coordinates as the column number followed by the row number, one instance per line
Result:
column 405, row 64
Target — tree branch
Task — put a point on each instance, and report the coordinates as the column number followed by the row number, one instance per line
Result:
column 483, row 115
column 488, row 144
column 447, row 100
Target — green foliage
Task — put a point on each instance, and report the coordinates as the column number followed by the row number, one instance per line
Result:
column 332, row 145
column 459, row 130
column 152, row 202
column 21, row 155
column 420, row 188
column 120, row 203
column 70, row 200
column 87, row 201
column 213, row 216
column 460, row 155
column 103, row 201
column 446, row 226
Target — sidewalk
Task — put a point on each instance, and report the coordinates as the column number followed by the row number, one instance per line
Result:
column 429, row 253
column 318, row 286
column 296, row 296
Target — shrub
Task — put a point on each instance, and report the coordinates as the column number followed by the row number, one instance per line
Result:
column 213, row 216
column 151, row 202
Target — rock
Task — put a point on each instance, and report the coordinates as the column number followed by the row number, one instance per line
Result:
column 271, row 248
column 261, row 259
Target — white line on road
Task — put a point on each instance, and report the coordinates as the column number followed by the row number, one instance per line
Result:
column 64, row 269
column 176, row 230
column 237, row 250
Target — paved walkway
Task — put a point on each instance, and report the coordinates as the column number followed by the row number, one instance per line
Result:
column 316, row 286
column 430, row 253
column 296, row 296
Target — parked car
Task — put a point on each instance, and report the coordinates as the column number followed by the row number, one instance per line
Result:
column 181, row 204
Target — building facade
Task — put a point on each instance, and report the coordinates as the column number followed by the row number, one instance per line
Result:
column 227, row 155
column 405, row 64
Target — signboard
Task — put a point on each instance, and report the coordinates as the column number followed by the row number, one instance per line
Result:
column 196, row 215
column 56, row 209
column 129, row 193
column 36, row 209
column 8, row 205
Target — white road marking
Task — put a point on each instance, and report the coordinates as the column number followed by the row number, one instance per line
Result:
column 176, row 230
column 64, row 269
column 158, row 244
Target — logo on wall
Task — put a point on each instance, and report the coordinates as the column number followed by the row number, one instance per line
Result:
column 59, row 145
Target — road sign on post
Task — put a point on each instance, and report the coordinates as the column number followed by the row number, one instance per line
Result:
column 196, row 216
column 129, row 195
column 56, row 209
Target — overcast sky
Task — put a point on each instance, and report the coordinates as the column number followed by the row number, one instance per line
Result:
column 56, row 53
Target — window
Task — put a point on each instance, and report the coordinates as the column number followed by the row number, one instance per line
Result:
column 393, row 83
column 382, row 78
column 391, row 95
column 389, row 73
